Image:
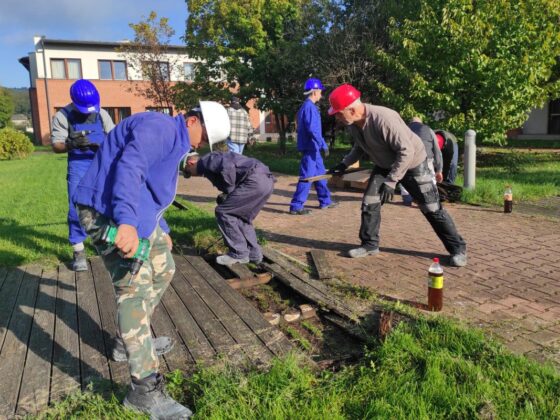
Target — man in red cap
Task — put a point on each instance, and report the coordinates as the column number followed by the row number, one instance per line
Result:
column 399, row 155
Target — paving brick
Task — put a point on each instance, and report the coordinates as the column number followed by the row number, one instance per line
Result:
column 544, row 337
column 521, row 345
column 490, row 307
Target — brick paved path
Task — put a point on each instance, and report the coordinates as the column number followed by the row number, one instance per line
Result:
column 511, row 286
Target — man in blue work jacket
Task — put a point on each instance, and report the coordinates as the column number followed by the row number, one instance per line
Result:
column 130, row 183
column 79, row 128
column 310, row 142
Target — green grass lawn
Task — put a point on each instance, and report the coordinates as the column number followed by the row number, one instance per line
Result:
column 424, row 370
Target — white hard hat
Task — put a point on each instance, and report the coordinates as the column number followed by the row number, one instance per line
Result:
column 216, row 120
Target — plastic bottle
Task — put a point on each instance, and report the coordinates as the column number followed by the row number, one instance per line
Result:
column 435, row 286
column 508, row 200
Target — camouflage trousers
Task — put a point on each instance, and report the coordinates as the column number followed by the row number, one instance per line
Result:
column 136, row 296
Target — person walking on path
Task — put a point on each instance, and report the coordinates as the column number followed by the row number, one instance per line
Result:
column 433, row 153
column 381, row 135
column 447, row 143
column 130, row 183
column 78, row 129
column 245, row 184
column 310, row 143
column 241, row 128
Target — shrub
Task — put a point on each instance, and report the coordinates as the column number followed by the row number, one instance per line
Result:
column 14, row 144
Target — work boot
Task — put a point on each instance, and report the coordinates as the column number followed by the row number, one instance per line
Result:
column 148, row 396
column 162, row 345
column 227, row 260
column 300, row 212
column 459, row 260
column 362, row 252
column 79, row 263
column 330, row 206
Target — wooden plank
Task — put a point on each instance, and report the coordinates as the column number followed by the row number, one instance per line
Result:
column 314, row 286
column 326, row 176
column 3, row 275
column 324, row 268
column 93, row 355
column 213, row 329
column 8, row 297
column 245, row 283
column 309, row 292
column 248, row 342
column 35, row 385
column 108, row 316
column 14, row 349
column 284, row 261
column 271, row 336
column 178, row 357
column 194, row 339
column 66, row 352
column 241, row 271
column 358, row 176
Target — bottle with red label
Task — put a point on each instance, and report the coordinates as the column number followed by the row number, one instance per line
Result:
column 435, row 286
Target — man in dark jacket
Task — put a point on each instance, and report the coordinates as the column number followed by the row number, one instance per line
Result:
column 130, row 183
column 246, row 184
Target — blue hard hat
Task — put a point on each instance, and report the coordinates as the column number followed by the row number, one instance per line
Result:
column 84, row 96
column 311, row 84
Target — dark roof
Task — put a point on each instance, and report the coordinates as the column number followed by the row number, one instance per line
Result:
column 106, row 44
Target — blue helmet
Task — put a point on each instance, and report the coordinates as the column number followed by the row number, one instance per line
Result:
column 84, row 96
column 311, row 84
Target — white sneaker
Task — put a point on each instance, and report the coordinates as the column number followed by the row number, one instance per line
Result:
column 227, row 260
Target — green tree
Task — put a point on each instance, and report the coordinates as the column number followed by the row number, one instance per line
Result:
column 6, row 107
column 259, row 47
column 149, row 55
column 481, row 65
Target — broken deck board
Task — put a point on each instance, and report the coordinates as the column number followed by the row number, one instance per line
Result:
column 64, row 322
column 322, row 265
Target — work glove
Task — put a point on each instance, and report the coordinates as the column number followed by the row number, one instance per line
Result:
column 326, row 152
column 341, row 167
column 220, row 199
column 79, row 140
column 386, row 193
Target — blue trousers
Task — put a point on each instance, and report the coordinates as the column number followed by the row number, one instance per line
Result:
column 311, row 165
column 235, row 147
column 76, row 170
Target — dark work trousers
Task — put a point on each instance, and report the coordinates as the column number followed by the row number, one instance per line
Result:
column 418, row 182
column 236, row 214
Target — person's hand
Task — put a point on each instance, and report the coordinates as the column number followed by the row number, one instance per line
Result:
column 220, row 199
column 326, row 152
column 386, row 193
column 169, row 242
column 127, row 240
column 439, row 177
column 341, row 167
column 79, row 140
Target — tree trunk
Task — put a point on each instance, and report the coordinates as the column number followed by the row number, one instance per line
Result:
column 281, row 125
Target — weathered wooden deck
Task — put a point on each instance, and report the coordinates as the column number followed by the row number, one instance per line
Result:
column 56, row 329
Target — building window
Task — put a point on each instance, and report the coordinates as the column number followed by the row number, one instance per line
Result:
column 118, row 114
column 189, row 71
column 66, row 68
column 162, row 109
column 156, row 69
column 554, row 117
column 112, row 70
